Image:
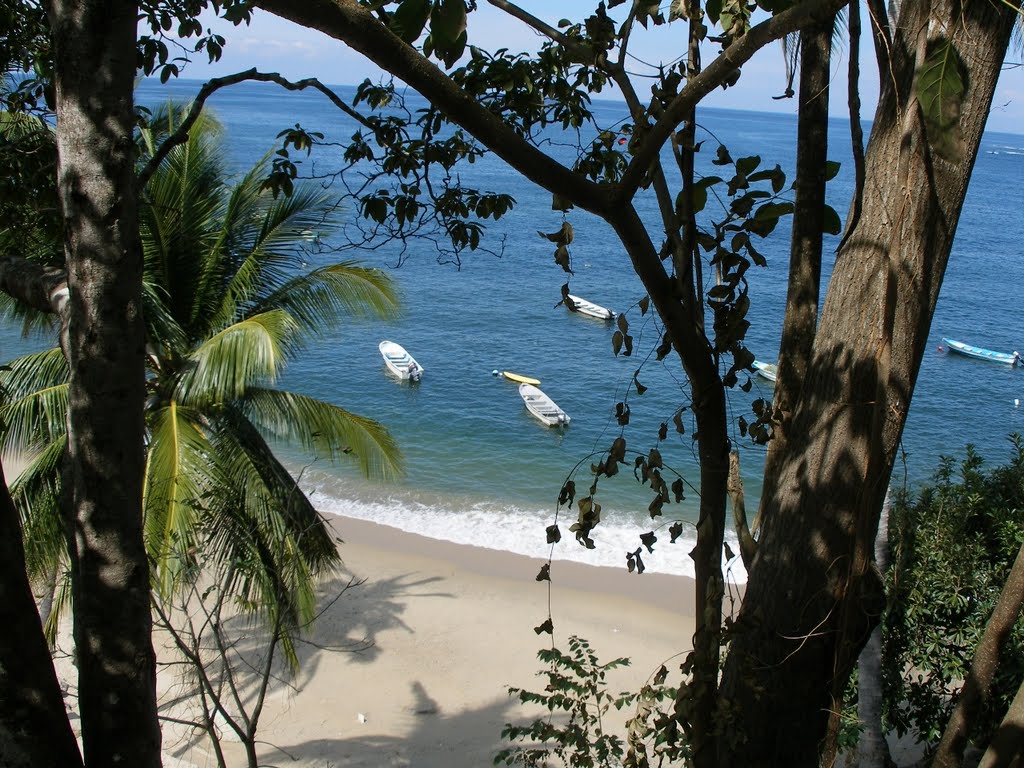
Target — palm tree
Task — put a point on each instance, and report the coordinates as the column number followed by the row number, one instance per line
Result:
column 228, row 301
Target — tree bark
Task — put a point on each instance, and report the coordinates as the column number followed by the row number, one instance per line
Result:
column 804, row 288
column 1007, row 746
column 812, row 598
column 94, row 51
column 872, row 748
column 34, row 728
column 977, row 686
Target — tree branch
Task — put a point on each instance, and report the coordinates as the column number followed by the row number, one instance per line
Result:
column 355, row 26
column 43, row 288
column 716, row 74
column 180, row 136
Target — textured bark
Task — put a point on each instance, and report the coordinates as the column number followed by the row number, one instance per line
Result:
column 813, row 598
column 977, row 686
column 1007, row 746
column 872, row 748
column 94, row 47
column 34, row 728
column 804, row 288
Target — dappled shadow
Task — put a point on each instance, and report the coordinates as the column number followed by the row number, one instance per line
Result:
column 435, row 738
column 813, row 594
column 354, row 613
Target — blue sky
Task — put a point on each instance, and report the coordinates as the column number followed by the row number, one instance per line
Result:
column 274, row 45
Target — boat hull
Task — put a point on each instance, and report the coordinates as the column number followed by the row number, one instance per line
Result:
column 518, row 378
column 768, row 371
column 589, row 308
column 542, row 407
column 980, row 353
column 400, row 363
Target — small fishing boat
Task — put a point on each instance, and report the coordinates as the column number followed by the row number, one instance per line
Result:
column 980, row 353
column 399, row 362
column 518, row 378
column 542, row 406
column 768, row 370
column 588, row 308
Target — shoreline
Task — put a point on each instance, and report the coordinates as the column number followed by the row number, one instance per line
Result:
column 447, row 628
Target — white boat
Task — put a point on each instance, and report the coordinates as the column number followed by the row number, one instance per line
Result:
column 980, row 353
column 589, row 308
column 542, row 406
column 768, row 370
column 399, row 362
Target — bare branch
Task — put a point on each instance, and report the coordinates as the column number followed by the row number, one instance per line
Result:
column 717, row 73
column 180, row 136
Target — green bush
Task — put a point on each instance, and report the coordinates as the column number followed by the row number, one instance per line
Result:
column 952, row 549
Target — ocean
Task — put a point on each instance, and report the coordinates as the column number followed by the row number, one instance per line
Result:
column 479, row 469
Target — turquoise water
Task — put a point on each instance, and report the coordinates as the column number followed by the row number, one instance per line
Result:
column 480, row 469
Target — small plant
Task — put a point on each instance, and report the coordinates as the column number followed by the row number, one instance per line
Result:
column 577, row 699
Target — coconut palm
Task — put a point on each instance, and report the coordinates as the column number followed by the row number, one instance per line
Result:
column 228, row 301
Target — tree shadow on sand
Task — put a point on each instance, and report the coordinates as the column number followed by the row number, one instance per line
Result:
column 434, row 739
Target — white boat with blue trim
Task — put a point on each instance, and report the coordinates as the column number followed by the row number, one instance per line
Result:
column 399, row 362
column 543, row 407
column 768, row 370
column 980, row 353
column 588, row 308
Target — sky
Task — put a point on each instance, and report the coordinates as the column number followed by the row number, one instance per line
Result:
column 274, row 45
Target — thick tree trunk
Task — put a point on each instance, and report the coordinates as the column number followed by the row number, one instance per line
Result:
column 34, row 728
column 1007, row 746
column 94, row 47
column 812, row 598
column 977, row 686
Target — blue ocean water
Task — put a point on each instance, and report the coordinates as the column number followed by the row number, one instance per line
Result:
column 480, row 469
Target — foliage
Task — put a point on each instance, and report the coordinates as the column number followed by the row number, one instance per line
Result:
column 577, row 699
column 953, row 546
column 229, row 299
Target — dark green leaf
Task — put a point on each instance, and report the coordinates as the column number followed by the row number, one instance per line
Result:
column 941, row 83
column 830, row 221
column 409, row 19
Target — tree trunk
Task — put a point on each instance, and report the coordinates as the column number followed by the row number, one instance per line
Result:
column 813, row 598
column 95, row 57
column 872, row 748
column 1007, row 746
column 34, row 728
column 977, row 686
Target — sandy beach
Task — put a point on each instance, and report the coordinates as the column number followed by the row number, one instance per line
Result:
column 446, row 629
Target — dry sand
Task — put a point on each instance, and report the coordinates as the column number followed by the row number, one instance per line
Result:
column 449, row 628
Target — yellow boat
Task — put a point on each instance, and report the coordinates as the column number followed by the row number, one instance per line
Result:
column 520, row 379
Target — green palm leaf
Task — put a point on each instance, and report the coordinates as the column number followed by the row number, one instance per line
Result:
column 36, row 392
column 225, row 366
column 324, row 430
column 180, row 479
column 36, row 493
column 320, row 299
column 272, row 235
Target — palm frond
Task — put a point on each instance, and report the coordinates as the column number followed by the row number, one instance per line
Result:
column 180, row 478
column 163, row 332
column 180, row 221
column 225, row 366
column 324, row 430
column 36, row 400
column 320, row 299
column 271, row 543
column 37, row 495
column 270, row 236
